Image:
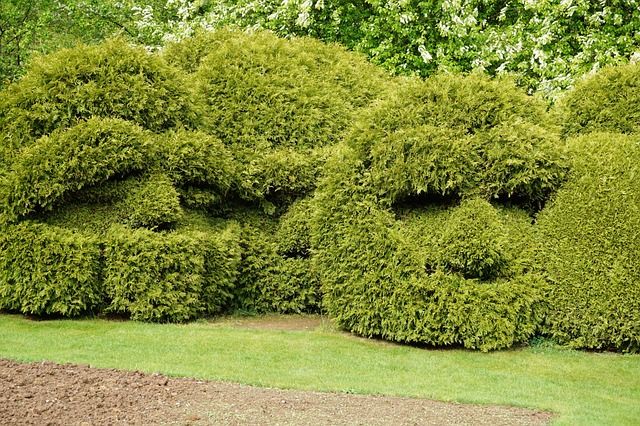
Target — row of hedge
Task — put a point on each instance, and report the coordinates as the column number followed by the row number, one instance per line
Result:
column 448, row 211
column 173, row 276
column 48, row 270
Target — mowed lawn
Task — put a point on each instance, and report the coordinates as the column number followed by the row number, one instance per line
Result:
column 580, row 387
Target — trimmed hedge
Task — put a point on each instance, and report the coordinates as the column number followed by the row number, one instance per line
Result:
column 454, row 135
column 473, row 242
column 435, row 142
column 280, row 176
column 589, row 246
column 71, row 159
column 607, row 101
column 275, row 103
column 168, row 276
column 200, row 160
column 376, row 283
column 111, row 80
column 269, row 280
column 47, row 270
column 153, row 203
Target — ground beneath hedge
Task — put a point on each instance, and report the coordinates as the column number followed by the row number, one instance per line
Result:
column 51, row 394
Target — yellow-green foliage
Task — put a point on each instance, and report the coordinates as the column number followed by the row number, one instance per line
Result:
column 460, row 283
column 608, row 101
column 263, row 91
column 455, row 135
column 271, row 278
column 194, row 158
column 107, row 140
column 153, row 203
column 168, row 276
column 112, row 79
column 276, row 102
column 71, row 159
column 473, row 242
column 293, row 236
column 47, row 270
column 590, row 245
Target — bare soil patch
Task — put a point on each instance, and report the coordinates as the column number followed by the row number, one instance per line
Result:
column 51, row 394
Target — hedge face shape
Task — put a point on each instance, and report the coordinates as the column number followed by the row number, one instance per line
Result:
column 47, row 270
column 108, row 141
column 589, row 246
column 437, row 275
column 277, row 103
column 71, row 159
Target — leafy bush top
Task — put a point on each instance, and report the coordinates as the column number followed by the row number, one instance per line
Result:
column 110, row 80
column 263, row 91
column 607, row 101
column 71, row 159
column 454, row 135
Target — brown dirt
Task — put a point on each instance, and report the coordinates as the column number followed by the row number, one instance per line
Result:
column 50, row 394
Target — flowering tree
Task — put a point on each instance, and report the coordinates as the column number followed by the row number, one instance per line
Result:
column 547, row 44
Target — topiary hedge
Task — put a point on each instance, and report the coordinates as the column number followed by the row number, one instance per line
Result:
column 279, row 106
column 146, row 177
column 589, row 246
column 71, row 159
column 168, row 277
column 435, row 143
column 111, row 80
column 273, row 277
column 606, row 101
column 450, row 135
column 47, row 270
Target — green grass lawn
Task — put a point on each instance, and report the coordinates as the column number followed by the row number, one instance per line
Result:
column 582, row 388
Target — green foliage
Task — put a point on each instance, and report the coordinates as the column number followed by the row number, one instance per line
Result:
column 263, row 91
column 46, row 270
column 459, row 283
column 268, row 281
column 196, row 158
column 168, row 276
column 279, row 175
column 293, row 236
column 153, row 203
column 546, row 44
column 71, row 159
column 112, row 79
column 589, row 246
column 455, row 135
column 473, row 241
column 607, row 101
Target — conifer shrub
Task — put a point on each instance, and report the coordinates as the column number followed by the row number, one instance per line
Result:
column 450, row 138
column 108, row 141
column 111, row 80
column 473, row 241
column 589, row 246
column 279, row 106
column 453, row 135
column 276, row 102
column 196, row 159
column 606, row 101
column 71, row 159
column 47, row 270
column 282, row 175
column 153, row 203
column 168, row 276
column 293, row 237
column 270, row 280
